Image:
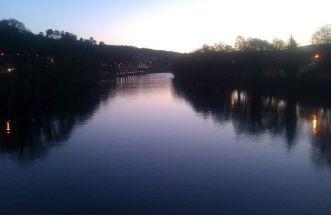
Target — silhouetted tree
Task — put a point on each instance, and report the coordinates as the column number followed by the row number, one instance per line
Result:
column 92, row 41
column 205, row 48
column 322, row 36
column 240, row 44
column 53, row 34
column 68, row 36
column 255, row 44
column 278, row 44
column 222, row 47
column 217, row 47
column 14, row 24
column 251, row 44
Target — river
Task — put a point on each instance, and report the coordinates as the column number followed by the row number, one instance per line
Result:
column 150, row 145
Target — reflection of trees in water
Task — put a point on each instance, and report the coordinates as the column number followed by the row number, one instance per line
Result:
column 130, row 84
column 256, row 113
column 28, row 132
column 320, row 122
column 251, row 113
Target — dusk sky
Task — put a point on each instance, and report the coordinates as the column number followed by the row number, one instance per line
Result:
column 176, row 25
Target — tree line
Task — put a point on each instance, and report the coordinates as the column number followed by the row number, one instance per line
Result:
column 321, row 37
column 31, row 64
column 256, row 62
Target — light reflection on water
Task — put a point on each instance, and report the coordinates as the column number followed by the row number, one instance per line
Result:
column 8, row 127
column 153, row 145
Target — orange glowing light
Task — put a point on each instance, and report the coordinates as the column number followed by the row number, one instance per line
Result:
column 317, row 56
column 314, row 125
column 234, row 97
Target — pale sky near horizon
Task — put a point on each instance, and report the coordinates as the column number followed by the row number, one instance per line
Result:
column 175, row 25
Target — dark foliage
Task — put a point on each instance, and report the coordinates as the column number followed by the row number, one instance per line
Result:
column 35, row 65
column 257, row 63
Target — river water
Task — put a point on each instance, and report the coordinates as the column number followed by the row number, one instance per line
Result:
column 151, row 145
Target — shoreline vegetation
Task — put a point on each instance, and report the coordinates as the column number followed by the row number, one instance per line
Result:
column 257, row 64
column 38, row 66
column 45, row 65
column 54, row 80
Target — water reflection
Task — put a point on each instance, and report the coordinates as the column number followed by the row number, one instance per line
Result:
column 257, row 113
column 8, row 127
column 321, row 138
column 238, row 97
column 130, row 84
column 145, row 146
column 314, row 124
column 28, row 132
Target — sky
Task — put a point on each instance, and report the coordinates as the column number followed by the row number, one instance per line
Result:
column 174, row 25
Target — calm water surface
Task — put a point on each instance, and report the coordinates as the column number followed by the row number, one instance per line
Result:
column 150, row 145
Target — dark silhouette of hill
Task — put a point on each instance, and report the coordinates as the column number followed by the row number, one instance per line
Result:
column 67, row 49
column 36, row 66
column 259, row 64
